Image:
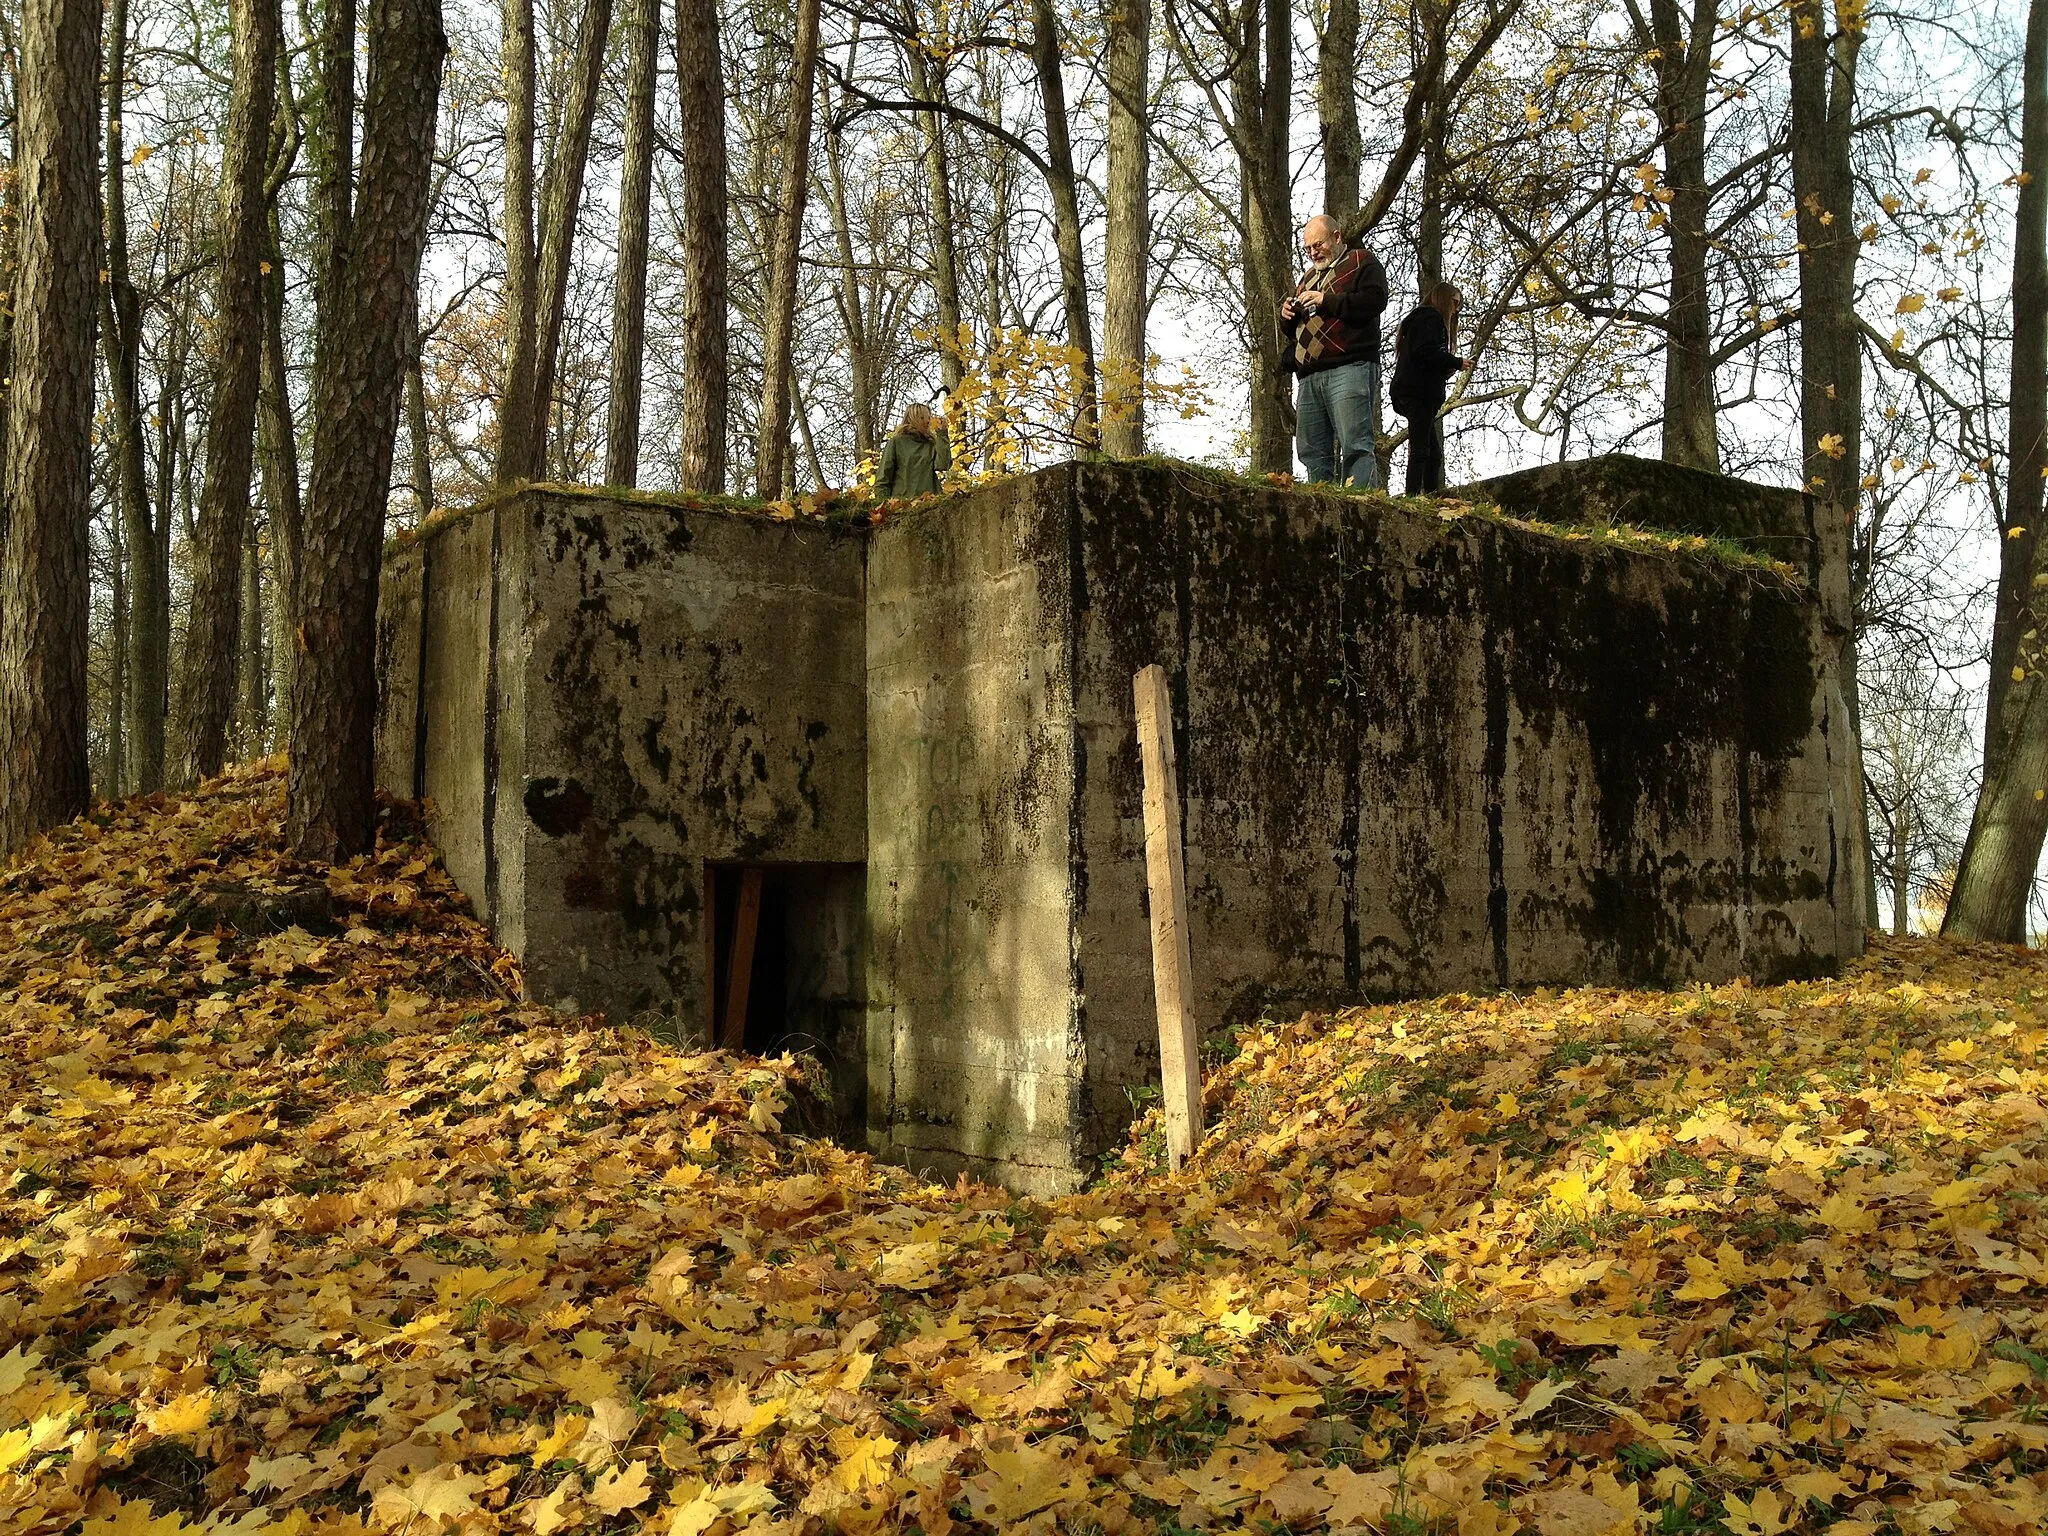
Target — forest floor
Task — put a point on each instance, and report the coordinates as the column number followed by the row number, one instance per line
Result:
column 307, row 1225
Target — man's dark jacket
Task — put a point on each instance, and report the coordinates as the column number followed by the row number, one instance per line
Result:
column 1346, row 325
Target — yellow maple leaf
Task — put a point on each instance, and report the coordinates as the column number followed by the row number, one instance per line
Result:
column 183, row 1415
column 1761, row 1514
column 910, row 1266
column 135, row 1517
column 865, row 1461
column 621, row 1489
column 16, row 1368
column 1575, row 1512
column 1360, row 1498
column 1843, row 1212
column 441, row 1493
column 1023, row 1481
column 1478, row 1394
column 1819, row 1483
column 707, row 1506
column 277, row 1473
column 548, row 1514
column 1233, row 1476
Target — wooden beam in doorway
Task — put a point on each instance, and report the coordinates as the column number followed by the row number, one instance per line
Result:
column 739, row 979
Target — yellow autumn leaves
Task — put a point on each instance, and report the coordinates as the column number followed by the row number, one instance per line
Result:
column 324, row 1234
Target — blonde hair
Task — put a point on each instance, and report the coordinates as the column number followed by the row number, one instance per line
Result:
column 917, row 419
column 1446, row 300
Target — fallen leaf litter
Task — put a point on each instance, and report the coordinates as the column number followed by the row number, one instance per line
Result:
column 308, row 1226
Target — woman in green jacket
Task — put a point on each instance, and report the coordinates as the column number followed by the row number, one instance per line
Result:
column 914, row 457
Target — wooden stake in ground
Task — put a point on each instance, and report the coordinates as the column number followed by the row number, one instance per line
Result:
column 1180, row 1067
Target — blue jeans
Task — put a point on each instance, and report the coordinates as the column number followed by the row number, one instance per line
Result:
column 1336, row 414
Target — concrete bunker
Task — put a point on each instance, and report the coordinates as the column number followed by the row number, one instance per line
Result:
column 1421, row 749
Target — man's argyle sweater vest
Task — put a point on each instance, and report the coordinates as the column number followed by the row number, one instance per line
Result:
column 1322, row 340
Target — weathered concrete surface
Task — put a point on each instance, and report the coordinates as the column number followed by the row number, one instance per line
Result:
column 1417, row 753
column 1414, row 756
column 610, row 696
column 977, row 1059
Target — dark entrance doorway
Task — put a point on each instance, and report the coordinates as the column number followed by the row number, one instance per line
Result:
column 788, row 972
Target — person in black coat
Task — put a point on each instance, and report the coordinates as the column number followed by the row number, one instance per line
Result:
column 1423, row 365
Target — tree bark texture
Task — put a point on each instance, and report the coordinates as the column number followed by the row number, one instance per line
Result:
column 114, row 777
column 629, row 291
column 2017, row 609
column 1127, row 238
column 1432, row 210
column 1684, row 63
column 1066, row 213
column 331, row 812
column 1337, row 109
column 419, row 443
column 776, row 474
column 254, row 708
column 522, row 276
column 939, row 191
column 700, row 72
column 2006, row 831
column 45, row 775
column 1261, row 90
column 10, row 272
column 147, row 674
column 332, row 146
column 563, row 205
column 1823, row 89
column 279, row 443
column 213, row 628
column 865, row 385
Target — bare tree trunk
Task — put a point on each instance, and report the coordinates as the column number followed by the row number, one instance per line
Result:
column 255, row 703
column 860, row 349
column 148, row 670
column 1823, row 88
column 1683, row 64
column 332, row 146
column 1128, row 238
column 332, row 814
column 629, row 294
column 117, row 651
column 419, row 445
column 10, row 272
column 1066, row 213
column 1902, row 873
column 522, row 276
column 775, row 473
column 2004, row 848
column 278, row 440
column 1260, row 101
column 45, row 580
column 2015, row 612
column 939, row 185
column 212, row 649
column 700, row 72
column 563, row 205
column 1337, row 109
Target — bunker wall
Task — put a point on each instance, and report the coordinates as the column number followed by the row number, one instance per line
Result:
column 975, row 1060
column 1415, row 758
column 666, row 687
column 695, row 692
